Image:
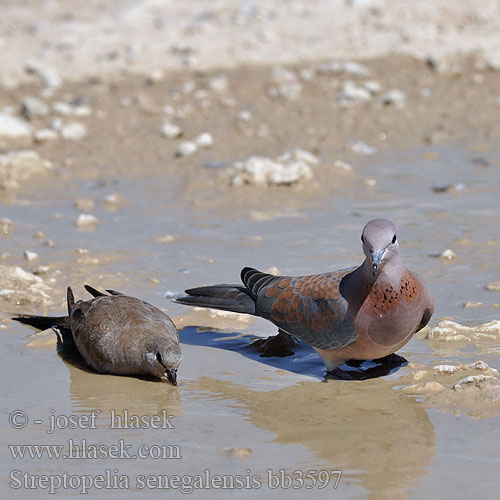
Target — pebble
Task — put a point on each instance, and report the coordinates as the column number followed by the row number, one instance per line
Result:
column 86, row 221
column 361, row 148
column 450, row 331
column 394, row 97
column 56, row 123
column 289, row 168
column 286, row 84
column 84, row 204
column 480, row 365
column 447, row 188
column 239, row 453
column 494, row 286
column 435, row 137
column 171, row 131
column 446, row 369
column 306, row 74
column 29, row 255
column 20, row 165
column 219, row 83
column 22, row 287
column 201, row 95
column 472, row 305
column 230, row 102
column 6, row 226
column 67, row 109
column 244, row 115
column 168, row 238
column 480, row 161
column 448, row 254
column 73, row 131
column 49, row 76
column 353, row 94
column 33, row 107
column 13, row 127
column 373, row 86
column 186, row 148
column 299, row 155
column 204, row 140
column 343, row 67
column 45, row 135
column 343, row 165
column 112, row 200
column 41, row 270
column 471, row 380
column 155, row 76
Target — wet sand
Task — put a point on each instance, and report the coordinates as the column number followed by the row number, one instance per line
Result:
column 178, row 222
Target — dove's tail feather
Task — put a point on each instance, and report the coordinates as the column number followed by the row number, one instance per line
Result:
column 44, row 322
column 232, row 298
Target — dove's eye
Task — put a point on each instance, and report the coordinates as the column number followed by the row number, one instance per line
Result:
column 362, row 239
column 394, row 239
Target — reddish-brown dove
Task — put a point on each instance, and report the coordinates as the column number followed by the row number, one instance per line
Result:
column 367, row 312
column 119, row 334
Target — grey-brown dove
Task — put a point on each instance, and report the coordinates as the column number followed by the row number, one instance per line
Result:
column 119, row 334
column 367, row 312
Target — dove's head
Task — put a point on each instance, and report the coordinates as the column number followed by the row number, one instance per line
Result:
column 163, row 358
column 380, row 244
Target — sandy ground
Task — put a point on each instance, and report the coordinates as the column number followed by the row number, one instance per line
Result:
column 86, row 38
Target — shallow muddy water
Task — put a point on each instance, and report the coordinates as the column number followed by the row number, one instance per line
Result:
column 235, row 413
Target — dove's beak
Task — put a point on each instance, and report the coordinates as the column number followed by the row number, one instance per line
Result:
column 376, row 259
column 171, row 376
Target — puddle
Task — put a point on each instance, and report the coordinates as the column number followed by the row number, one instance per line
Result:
column 235, row 413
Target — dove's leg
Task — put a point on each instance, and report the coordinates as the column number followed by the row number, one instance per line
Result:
column 278, row 345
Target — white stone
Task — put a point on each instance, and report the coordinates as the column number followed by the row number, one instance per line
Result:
column 170, row 130
column 373, row 86
column 361, row 148
column 73, row 131
column 219, row 83
column 86, row 220
column 353, row 94
column 204, row 140
column 299, row 155
column 49, row 76
column 186, row 148
column 20, row 165
column 62, row 108
column 45, row 135
column 343, row 67
column 446, row 369
column 29, row 255
column 34, row 108
column 260, row 170
column 343, row 165
column 472, row 380
column 13, row 127
column 394, row 97
column 244, row 115
column 448, row 254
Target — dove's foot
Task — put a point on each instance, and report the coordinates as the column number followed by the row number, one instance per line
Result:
column 341, row 374
column 391, row 360
column 355, row 363
column 278, row 345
